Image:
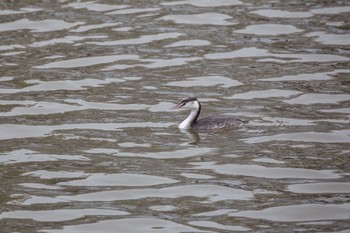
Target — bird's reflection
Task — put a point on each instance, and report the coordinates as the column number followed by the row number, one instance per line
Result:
column 193, row 136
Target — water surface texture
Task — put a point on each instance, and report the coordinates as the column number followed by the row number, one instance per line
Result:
column 88, row 144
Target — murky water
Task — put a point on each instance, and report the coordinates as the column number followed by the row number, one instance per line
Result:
column 88, row 143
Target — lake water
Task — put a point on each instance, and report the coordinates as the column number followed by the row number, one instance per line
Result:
column 88, row 143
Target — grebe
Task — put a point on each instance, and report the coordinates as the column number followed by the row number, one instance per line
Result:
column 212, row 122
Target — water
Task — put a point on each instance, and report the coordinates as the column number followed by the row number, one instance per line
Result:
column 88, row 143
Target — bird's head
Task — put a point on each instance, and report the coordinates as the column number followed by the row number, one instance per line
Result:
column 191, row 103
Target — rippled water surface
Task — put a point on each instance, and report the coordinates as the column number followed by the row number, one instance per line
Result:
column 88, row 143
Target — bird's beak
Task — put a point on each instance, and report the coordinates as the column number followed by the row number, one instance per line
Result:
column 176, row 107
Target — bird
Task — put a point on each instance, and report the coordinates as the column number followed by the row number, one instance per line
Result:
column 207, row 123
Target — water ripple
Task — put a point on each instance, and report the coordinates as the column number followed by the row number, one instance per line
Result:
column 211, row 193
column 37, row 26
column 299, row 213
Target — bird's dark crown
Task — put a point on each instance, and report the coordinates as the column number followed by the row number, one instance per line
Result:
column 190, row 99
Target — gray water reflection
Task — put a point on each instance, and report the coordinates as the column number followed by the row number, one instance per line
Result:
column 136, row 225
column 88, row 143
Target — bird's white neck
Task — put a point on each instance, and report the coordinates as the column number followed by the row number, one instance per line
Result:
column 189, row 121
